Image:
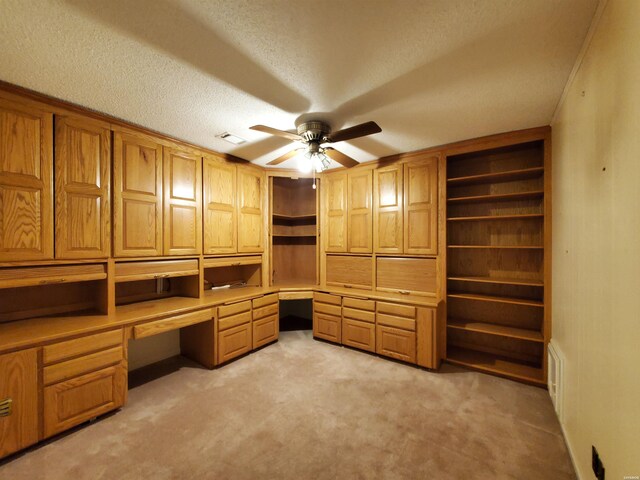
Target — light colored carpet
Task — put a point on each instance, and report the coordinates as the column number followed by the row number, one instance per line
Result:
column 303, row 409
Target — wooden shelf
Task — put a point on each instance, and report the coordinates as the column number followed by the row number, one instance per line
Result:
column 497, row 177
column 495, row 329
column 491, row 298
column 497, row 217
column 499, row 280
column 280, row 216
column 291, row 235
column 497, row 197
column 515, row 247
column 503, row 366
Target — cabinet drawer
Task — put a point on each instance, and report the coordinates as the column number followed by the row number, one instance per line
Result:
column 328, row 309
column 265, row 311
column 397, row 322
column 359, row 304
column 359, row 315
column 326, row 298
column 77, row 366
column 171, row 323
column 327, row 327
column 30, row 276
column 234, row 320
column 396, row 309
column 228, row 310
column 74, row 401
column 416, row 276
column 234, row 342
column 350, row 271
column 266, row 300
column 359, row 334
column 81, row 346
column 232, row 261
column 265, row 331
column 395, row 343
column 129, row 271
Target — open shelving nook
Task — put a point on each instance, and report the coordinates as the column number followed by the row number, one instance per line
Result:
column 498, row 233
column 294, row 231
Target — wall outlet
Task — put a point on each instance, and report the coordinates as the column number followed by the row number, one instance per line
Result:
column 596, row 464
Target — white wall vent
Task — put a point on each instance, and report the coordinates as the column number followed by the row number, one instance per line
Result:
column 555, row 362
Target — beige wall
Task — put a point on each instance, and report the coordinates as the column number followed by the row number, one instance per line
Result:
column 596, row 246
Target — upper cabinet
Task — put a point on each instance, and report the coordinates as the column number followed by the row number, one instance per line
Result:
column 360, row 211
column 182, row 202
column 137, row 185
column 250, row 209
column 82, row 180
column 335, row 187
column 421, row 206
column 220, row 216
column 26, row 190
column 388, row 209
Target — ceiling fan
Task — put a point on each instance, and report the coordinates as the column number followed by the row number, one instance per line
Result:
column 316, row 135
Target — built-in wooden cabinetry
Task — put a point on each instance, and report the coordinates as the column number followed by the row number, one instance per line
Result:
column 220, row 206
column 335, row 212
column 250, row 209
column 359, row 211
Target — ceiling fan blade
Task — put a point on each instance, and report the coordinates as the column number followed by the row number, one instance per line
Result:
column 285, row 157
column 341, row 158
column 275, row 131
column 361, row 130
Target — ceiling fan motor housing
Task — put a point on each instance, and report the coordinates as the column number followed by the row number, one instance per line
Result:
column 314, row 131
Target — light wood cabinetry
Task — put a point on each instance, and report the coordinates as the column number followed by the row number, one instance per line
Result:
column 266, row 323
column 360, row 216
column 82, row 186
column 137, row 194
column 406, row 275
column 220, row 211
column 182, row 202
column 421, row 206
column 250, row 210
column 358, row 323
column 349, row 271
column 335, row 188
column 26, row 186
column 234, row 331
column 327, row 317
column 18, row 400
column 388, row 209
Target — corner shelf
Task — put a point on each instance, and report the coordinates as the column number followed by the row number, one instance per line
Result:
column 293, row 218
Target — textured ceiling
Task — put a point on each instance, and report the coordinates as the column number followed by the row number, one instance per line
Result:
column 428, row 72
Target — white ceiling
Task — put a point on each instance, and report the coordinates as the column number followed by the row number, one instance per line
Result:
column 428, row 72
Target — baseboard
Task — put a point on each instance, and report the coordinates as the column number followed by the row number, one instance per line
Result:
column 570, row 450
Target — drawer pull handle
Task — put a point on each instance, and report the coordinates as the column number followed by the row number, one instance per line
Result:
column 237, row 264
column 404, row 292
column 6, row 407
column 348, row 286
column 162, row 275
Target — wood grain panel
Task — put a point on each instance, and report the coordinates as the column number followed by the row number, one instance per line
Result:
column 327, row 327
column 234, row 342
column 172, row 323
column 233, row 308
column 388, row 210
column 349, row 271
column 357, row 314
column 33, row 276
column 335, row 186
column 264, row 301
column 426, row 336
column 80, row 346
column 220, row 211
column 396, row 343
column 360, row 222
column 234, row 320
column 421, row 206
column 72, row 368
column 359, row 334
column 417, row 276
column 250, row 210
column 265, row 331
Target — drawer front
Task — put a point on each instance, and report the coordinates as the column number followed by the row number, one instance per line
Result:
column 228, row 310
column 397, row 322
column 328, row 309
column 359, row 304
column 234, row 342
column 266, row 300
column 415, row 276
column 171, row 323
column 81, row 346
column 358, row 334
column 395, row 343
column 327, row 327
column 127, row 271
column 265, row 331
column 232, row 261
column 74, row 401
column 349, row 271
column 72, row 368
column 359, row 315
column 234, row 321
column 326, row 298
column 396, row 309
column 29, row 276
column 267, row 311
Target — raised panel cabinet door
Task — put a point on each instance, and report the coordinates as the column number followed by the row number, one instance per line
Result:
column 421, row 206
column 360, row 225
column 327, row 327
column 359, row 334
column 18, row 400
column 182, row 202
column 137, row 196
column 387, row 210
column 220, row 215
column 82, row 193
column 335, row 187
column 396, row 343
column 26, row 183
column 234, row 342
column 250, row 210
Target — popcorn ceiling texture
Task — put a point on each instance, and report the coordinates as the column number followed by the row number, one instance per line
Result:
column 428, row 72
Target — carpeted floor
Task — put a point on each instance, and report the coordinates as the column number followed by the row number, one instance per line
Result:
column 302, row 409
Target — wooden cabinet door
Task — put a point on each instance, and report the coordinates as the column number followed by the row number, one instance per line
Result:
column 234, row 342
column 26, row 190
column 265, row 330
column 18, row 400
column 220, row 217
column 360, row 212
column 327, row 327
column 396, row 343
column 421, row 206
column 182, row 202
column 358, row 334
column 335, row 188
column 137, row 196
column 250, row 210
column 387, row 210
column 83, row 179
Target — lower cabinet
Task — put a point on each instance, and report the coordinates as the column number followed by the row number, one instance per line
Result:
column 359, row 334
column 396, row 343
column 327, row 317
column 266, row 322
column 234, row 342
column 18, row 401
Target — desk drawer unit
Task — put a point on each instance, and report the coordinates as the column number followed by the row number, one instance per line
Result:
column 358, row 323
column 396, row 331
column 327, row 317
column 234, row 331
column 266, row 323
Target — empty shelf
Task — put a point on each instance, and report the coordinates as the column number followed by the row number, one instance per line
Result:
column 491, row 298
column 499, row 280
column 497, row 177
column 495, row 329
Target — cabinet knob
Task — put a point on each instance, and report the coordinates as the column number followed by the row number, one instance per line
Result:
column 6, row 407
